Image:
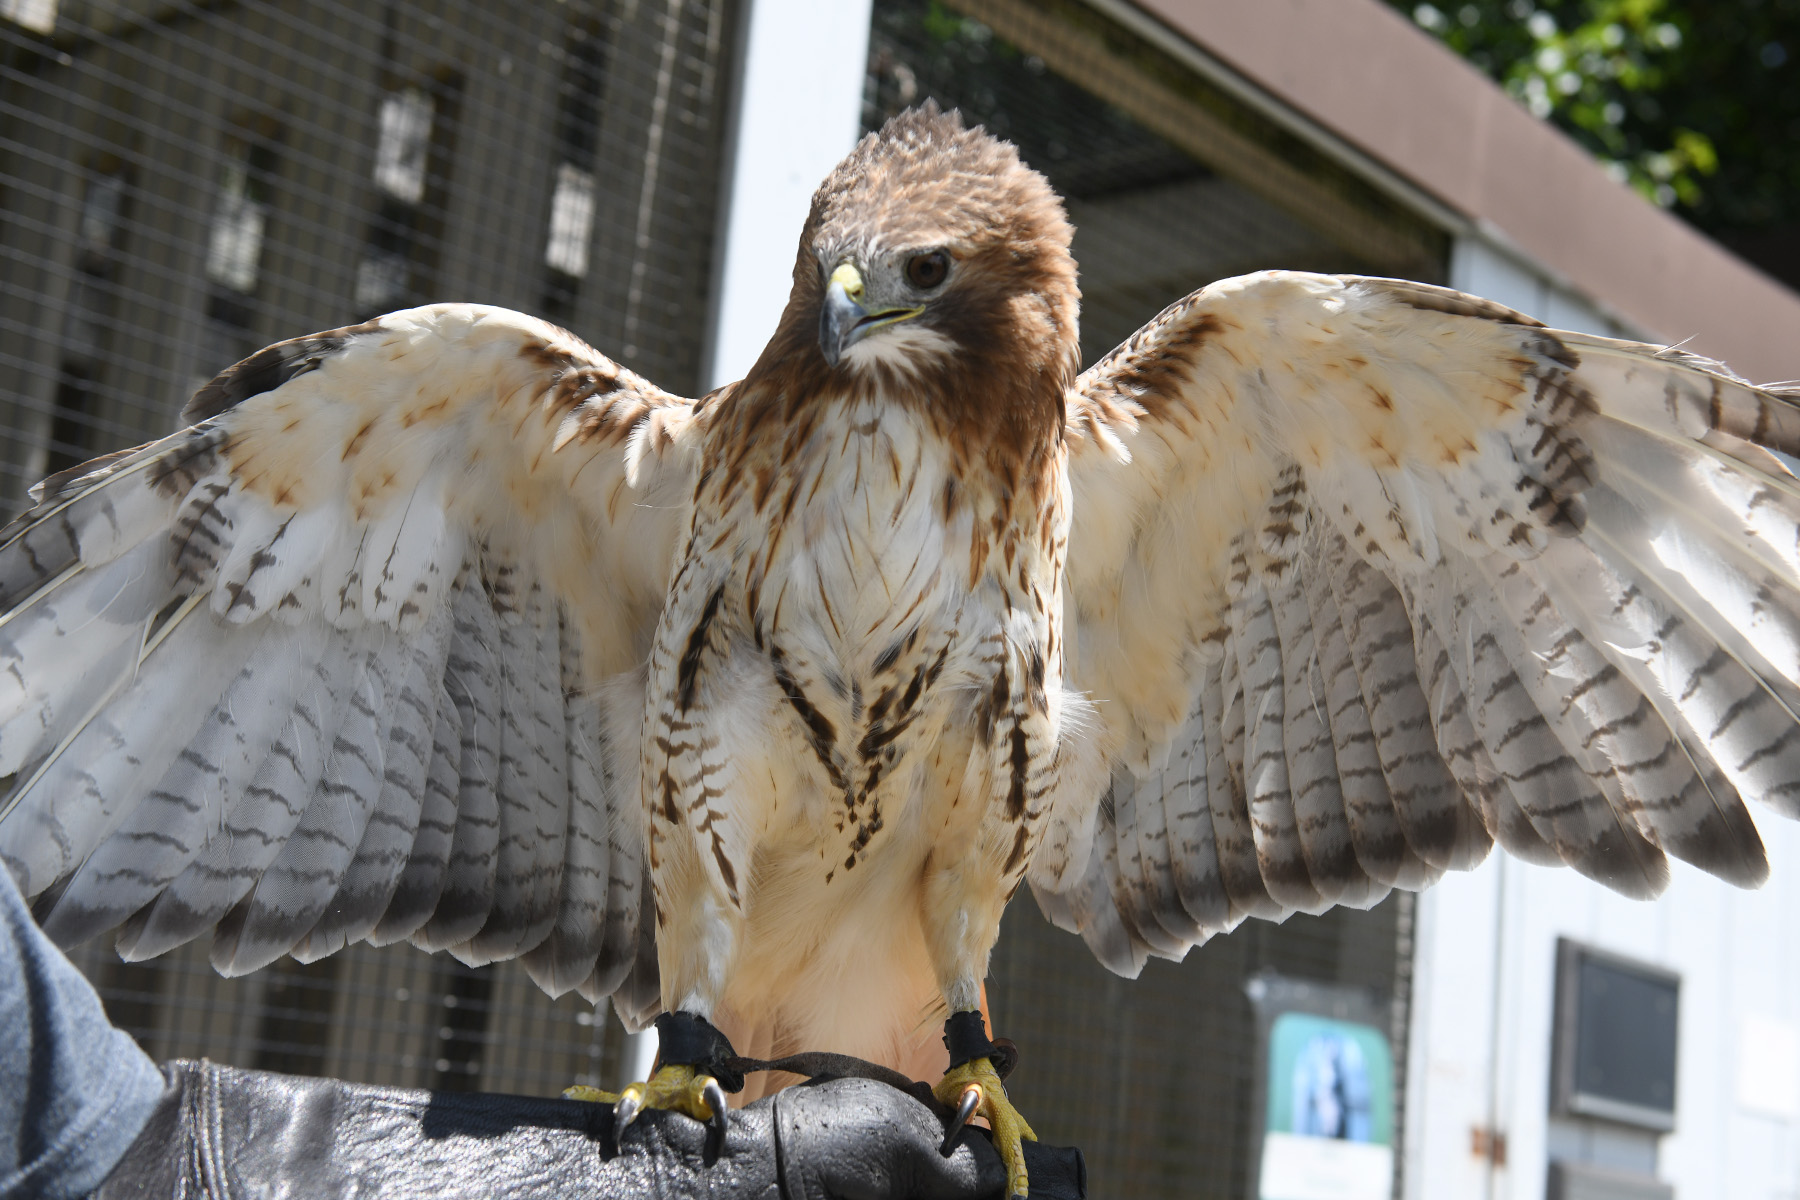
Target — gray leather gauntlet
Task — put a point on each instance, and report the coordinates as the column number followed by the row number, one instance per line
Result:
column 222, row 1132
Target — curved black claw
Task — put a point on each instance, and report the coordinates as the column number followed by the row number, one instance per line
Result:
column 625, row 1111
column 716, row 1124
column 965, row 1108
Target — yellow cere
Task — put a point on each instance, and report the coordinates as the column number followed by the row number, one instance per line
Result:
column 850, row 279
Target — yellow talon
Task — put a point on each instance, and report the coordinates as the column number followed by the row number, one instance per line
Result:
column 1009, row 1128
column 679, row 1089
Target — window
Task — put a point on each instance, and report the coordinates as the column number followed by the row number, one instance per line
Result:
column 573, row 199
column 39, row 16
column 571, row 221
column 404, row 145
column 99, row 231
column 234, row 245
column 235, row 242
column 1615, row 1038
column 412, row 154
column 402, row 155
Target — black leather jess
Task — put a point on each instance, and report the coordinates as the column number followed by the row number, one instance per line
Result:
column 223, row 1132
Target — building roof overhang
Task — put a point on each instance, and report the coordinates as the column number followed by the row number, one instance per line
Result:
column 1362, row 72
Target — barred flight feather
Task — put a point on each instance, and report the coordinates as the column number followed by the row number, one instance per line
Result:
column 1240, row 871
column 532, row 787
column 637, row 995
column 1279, row 858
column 295, row 889
column 65, row 803
column 1319, row 817
column 1185, row 787
column 568, row 954
column 1375, row 833
column 369, row 882
column 1631, row 750
column 160, row 836
column 473, row 678
column 257, row 822
column 1147, row 894
column 1436, row 821
column 421, row 879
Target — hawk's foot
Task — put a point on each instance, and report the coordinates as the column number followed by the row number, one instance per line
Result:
column 974, row 1089
column 678, row 1088
column 696, row 1067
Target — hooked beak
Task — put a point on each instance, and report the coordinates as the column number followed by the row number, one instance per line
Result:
column 843, row 321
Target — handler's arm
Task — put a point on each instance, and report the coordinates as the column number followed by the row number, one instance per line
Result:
column 74, row 1091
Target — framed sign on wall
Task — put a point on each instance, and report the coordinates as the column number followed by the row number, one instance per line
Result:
column 1327, row 1092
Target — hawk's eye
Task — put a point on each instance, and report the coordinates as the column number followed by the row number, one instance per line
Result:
column 926, row 271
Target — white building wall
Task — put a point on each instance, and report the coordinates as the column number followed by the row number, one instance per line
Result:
column 1485, row 975
column 799, row 111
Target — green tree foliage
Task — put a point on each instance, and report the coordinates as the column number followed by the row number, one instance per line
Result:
column 1695, row 103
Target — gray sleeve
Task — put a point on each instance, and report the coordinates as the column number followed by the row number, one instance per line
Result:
column 74, row 1091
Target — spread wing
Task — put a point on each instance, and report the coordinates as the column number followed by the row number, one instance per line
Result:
column 354, row 656
column 1366, row 575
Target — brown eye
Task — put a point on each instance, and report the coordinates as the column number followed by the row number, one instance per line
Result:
column 926, row 271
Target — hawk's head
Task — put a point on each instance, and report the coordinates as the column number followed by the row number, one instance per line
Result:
column 931, row 248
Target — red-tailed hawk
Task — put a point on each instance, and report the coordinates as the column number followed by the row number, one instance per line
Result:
column 757, row 709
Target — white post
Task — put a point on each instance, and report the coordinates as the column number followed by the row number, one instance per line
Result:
column 640, row 1054
column 799, row 110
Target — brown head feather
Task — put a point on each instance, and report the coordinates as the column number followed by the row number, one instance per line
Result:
column 1007, row 315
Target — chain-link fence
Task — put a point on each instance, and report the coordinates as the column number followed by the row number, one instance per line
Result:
column 181, row 183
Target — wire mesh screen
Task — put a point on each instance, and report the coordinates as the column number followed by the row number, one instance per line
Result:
column 1155, row 1078
column 183, row 183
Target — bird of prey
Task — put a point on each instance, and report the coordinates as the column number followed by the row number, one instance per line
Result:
column 755, row 710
